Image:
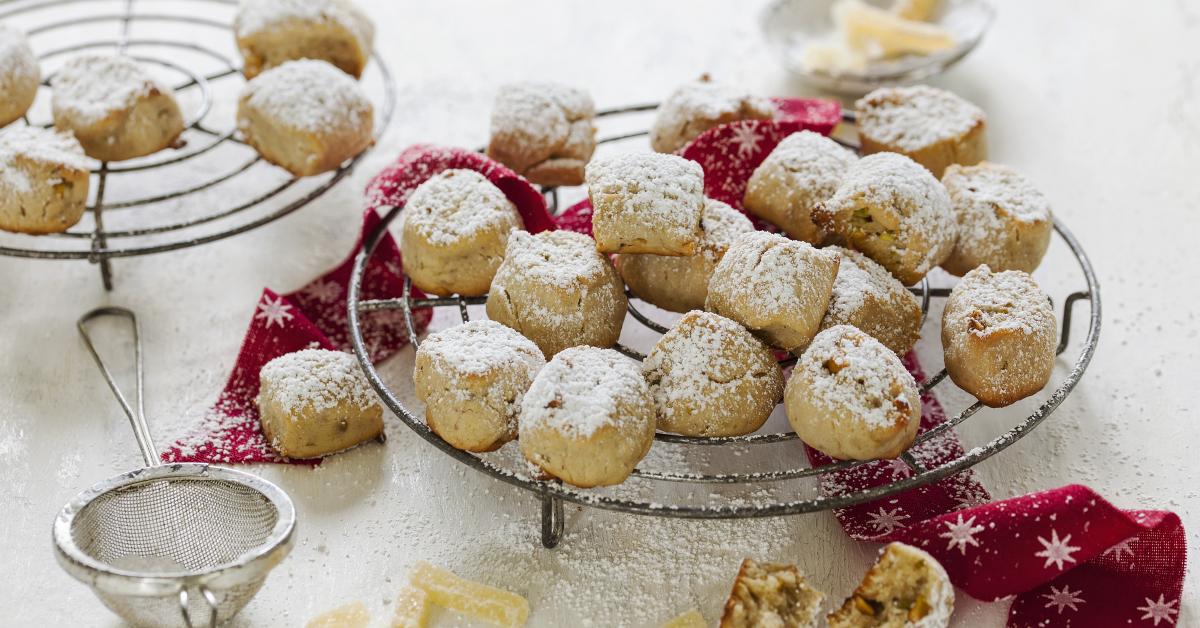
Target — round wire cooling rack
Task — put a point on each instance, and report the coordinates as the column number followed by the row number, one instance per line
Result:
column 176, row 198
column 777, row 484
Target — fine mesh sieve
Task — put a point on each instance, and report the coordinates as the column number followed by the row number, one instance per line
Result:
column 167, row 545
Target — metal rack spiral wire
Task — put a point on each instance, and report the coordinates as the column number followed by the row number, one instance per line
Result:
column 212, row 148
column 651, row 500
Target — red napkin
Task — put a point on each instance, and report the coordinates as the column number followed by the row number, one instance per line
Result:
column 315, row 315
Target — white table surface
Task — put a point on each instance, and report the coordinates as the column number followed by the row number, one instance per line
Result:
column 1097, row 101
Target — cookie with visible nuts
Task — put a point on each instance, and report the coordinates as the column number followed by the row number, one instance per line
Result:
column 906, row 587
column 771, row 595
column 1003, row 220
column 44, row 179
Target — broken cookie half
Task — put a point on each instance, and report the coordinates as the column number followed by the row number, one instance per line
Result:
column 905, row 587
column 771, row 595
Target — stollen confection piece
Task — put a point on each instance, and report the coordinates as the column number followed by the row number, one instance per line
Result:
column 850, row 397
column 353, row 615
column 558, row 291
column 115, row 108
column 471, row 378
column 915, row 9
column 305, row 116
column 588, row 419
column 316, row 402
column 473, row 599
column 866, row 296
column 680, row 283
column 412, row 608
column 689, row 619
column 777, row 288
column 646, row 203
column 710, row 377
column 894, row 211
column 700, row 105
column 272, row 32
column 803, row 170
column 905, row 588
column 43, row 180
column 455, row 230
column 19, row 74
column 771, row 595
column 999, row 336
column 932, row 126
column 1003, row 221
column 544, row 132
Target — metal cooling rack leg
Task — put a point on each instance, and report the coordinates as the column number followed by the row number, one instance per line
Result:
column 1068, row 307
column 99, row 241
column 552, row 521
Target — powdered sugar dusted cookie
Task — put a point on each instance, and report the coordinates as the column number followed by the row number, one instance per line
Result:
column 777, row 288
column 699, row 106
column 588, row 418
column 19, row 74
column 543, row 131
column 1003, row 221
column 905, row 588
column 43, row 180
column 866, row 296
column 894, row 211
column 851, row 398
column 305, row 116
column 472, row 378
column 999, row 336
column 771, row 595
column 455, row 232
column 803, row 170
column 273, row 32
column 316, row 402
column 932, row 126
column 115, row 108
column 680, row 283
column 558, row 291
column 646, row 203
column 711, row 377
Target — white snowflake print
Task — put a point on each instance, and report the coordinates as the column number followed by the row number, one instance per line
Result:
column 1066, row 598
column 326, row 291
column 898, row 468
column 1159, row 610
column 1057, row 551
column 961, row 534
column 746, row 139
column 885, row 521
column 1119, row 549
column 274, row 312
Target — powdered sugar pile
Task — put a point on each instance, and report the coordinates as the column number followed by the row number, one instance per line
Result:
column 1001, row 302
column 904, row 192
column 88, row 89
column 308, row 95
column 482, row 346
column 852, row 374
column 858, row 279
column 721, row 224
column 770, row 272
column 987, row 198
column 457, row 204
column 316, row 378
column 563, row 259
column 37, row 144
column 651, row 189
column 579, row 390
column 912, row 118
column 254, row 16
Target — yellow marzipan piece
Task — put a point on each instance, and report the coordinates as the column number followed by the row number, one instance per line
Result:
column 471, row 598
column 690, row 619
column 870, row 28
column 353, row 615
column 412, row 608
column 919, row 10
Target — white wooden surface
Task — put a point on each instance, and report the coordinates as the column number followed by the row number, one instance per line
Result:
column 1097, row 101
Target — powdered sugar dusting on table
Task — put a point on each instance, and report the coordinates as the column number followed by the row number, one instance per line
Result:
column 579, row 390
column 318, row 379
column 847, row 369
column 458, row 204
column 309, row 95
column 912, row 118
column 480, row 346
column 87, row 89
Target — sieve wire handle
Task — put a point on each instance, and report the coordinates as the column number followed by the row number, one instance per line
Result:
column 138, row 419
column 210, row 600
